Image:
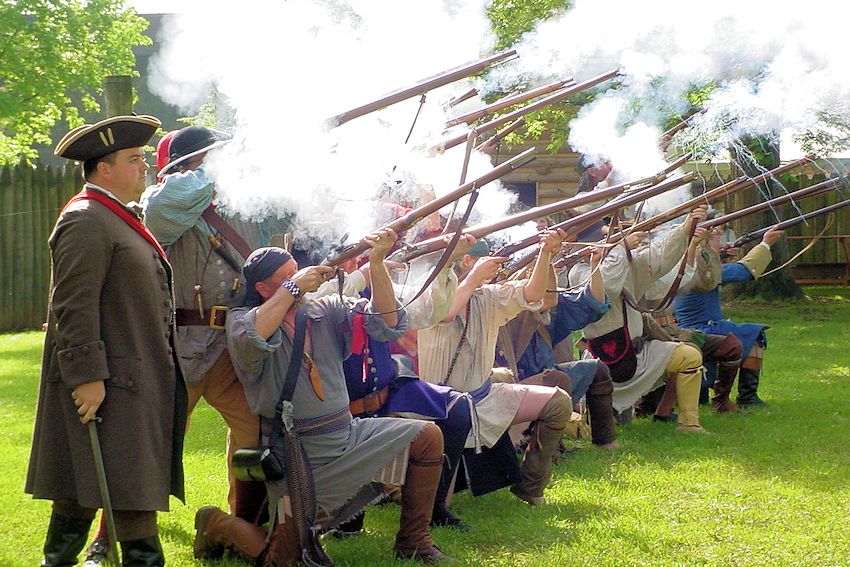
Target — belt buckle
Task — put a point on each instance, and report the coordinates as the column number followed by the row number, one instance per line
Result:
column 214, row 311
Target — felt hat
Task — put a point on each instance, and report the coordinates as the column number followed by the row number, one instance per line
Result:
column 93, row 141
column 190, row 142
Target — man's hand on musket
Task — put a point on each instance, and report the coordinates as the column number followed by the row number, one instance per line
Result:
column 88, row 397
column 309, row 279
column 465, row 242
column 771, row 236
column 485, row 269
column 696, row 215
column 381, row 242
column 700, row 235
column 551, row 241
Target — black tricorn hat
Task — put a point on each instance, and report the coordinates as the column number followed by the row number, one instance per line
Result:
column 190, row 142
column 93, row 141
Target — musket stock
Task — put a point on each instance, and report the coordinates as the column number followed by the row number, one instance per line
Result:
column 414, row 216
column 423, row 86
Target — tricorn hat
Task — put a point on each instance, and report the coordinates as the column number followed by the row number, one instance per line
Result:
column 190, row 142
column 93, row 141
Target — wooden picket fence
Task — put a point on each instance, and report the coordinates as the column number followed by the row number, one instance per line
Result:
column 30, row 200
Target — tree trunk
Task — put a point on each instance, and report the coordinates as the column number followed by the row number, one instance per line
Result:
column 779, row 285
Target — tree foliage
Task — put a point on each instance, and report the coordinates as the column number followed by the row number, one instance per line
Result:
column 53, row 56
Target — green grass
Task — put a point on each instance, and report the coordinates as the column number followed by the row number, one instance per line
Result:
column 768, row 487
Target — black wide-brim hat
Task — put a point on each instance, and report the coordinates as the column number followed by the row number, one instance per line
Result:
column 192, row 141
column 93, row 141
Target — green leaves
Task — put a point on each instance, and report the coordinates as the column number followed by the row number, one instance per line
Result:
column 53, row 53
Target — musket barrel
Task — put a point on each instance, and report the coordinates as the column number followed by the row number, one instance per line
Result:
column 584, row 220
column 508, row 101
column 481, row 230
column 810, row 191
column 756, row 234
column 414, row 216
column 708, row 197
column 423, row 86
column 511, row 116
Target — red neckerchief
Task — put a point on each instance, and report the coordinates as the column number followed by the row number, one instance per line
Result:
column 122, row 213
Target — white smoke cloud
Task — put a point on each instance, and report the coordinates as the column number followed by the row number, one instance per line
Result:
column 285, row 67
column 778, row 64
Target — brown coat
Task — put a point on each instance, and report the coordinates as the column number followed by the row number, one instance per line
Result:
column 110, row 318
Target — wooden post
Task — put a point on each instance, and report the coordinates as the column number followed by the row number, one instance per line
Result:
column 7, row 247
column 118, row 93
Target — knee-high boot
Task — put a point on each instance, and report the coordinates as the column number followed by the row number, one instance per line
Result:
column 217, row 531
column 720, row 402
column 601, row 412
column 748, row 385
column 284, row 548
column 687, row 397
column 65, row 539
column 250, row 501
column 455, row 430
column 413, row 540
column 536, row 468
column 144, row 552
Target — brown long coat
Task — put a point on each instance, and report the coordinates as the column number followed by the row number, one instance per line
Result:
column 109, row 318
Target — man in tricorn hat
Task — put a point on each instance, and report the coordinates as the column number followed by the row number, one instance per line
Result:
column 108, row 356
column 207, row 254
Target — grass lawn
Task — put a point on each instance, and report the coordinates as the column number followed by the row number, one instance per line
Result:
column 769, row 487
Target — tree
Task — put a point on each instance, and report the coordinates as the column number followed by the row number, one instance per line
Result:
column 55, row 52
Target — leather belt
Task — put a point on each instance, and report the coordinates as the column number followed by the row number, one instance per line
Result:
column 665, row 320
column 214, row 318
column 371, row 403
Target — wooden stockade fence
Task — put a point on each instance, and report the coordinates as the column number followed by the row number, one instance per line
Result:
column 30, row 200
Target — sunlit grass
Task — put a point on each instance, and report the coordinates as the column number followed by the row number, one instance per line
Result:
column 768, row 487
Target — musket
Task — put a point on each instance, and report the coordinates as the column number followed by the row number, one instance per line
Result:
column 716, row 194
column 757, row 234
column 582, row 221
column 414, row 216
column 664, row 138
column 459, row 99
column 706, row 198
column 413, row 251
column 498, row 136
column 511, row 116
column 811, row 191
column 420, row 87
column 509, row 100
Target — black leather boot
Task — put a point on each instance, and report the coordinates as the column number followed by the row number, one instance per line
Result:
column 443, row 517
column 748, row 385
column 97, row 553
column 66, row 537
column 145, row 552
